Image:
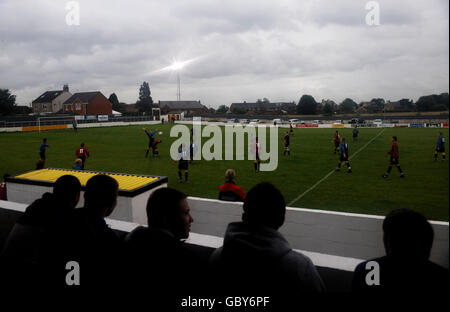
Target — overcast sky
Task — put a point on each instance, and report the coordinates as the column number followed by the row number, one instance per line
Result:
column 242, row 49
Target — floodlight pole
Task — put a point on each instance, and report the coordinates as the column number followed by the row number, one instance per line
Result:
column 178, row 86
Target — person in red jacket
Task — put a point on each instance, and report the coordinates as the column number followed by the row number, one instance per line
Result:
column 82, row 153
column 230, row 191
column 394, row 159
column 3, row 193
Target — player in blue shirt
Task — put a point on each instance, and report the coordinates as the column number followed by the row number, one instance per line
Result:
column 344, row 156
column 151, row 140
column 355, row 134
column 43, row 148
column 440, row 147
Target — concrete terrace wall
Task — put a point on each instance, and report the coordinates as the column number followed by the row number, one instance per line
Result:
column 331, row 239
column 337, row 240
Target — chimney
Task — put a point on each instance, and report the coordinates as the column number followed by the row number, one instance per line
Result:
column 66, row 88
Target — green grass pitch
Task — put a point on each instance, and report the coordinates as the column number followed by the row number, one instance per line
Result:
column 122, row 149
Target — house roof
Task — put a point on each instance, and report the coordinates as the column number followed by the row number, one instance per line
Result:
column 48, row 96
column 263, row 105
column 131, row 108
column 84, row 97
column 181, row 104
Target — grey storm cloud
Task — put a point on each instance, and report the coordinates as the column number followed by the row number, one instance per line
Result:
column 243, row 50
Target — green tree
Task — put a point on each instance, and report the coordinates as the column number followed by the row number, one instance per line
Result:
column 22, row 110
column 115, row 102
column 222, row 109
column 327, row 109
column 407, row 104
column 145, row 102
column 433, row 102
column 7, row 102
column 348, row 106
column 307, row 105
column 237, row 110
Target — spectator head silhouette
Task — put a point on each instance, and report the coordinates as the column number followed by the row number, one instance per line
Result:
column 407, row 235
column 168, row 209
column 264, row 205
column 66, row 190
column 101, row 194
column 230, row 175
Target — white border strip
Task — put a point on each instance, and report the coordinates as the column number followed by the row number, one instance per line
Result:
column 21, row 208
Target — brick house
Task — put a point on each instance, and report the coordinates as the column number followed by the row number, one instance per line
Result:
column 88, row 103
column 51, row 101
column 187, row 107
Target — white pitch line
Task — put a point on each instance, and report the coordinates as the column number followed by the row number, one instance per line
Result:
column 332, row 171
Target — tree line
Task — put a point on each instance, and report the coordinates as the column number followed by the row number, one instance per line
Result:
column 307, row 105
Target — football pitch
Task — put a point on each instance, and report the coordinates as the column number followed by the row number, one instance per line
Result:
column 306, row 178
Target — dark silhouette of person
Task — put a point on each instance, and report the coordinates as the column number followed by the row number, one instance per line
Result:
column 92, row 243
column 408, row 238
column 256, row 259
column 158, row 256
column 31, row 252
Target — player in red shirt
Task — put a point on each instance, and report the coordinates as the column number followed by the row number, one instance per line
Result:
column 394, row 158
column 337, row 141
column 83, row 153
column 230, row 191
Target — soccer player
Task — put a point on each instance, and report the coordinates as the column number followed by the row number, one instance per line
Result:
column 82, row 153
column 151, row 140
column 286, row 144
column 337, row 141
column 155, row 151
column 75, row 125
column 291, row 129
column 344, row 157
column 183, row 164
column 440, row 147
column 255, row 149
column 355, row 134
column 43, row 148
column 193, row 148
column 394, row 158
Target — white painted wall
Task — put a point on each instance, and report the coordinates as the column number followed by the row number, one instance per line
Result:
column 326, row 232
column 57, row 102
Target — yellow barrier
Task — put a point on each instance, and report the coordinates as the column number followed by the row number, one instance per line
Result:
column 337, row 125
column 50, row 127
column 126, row 182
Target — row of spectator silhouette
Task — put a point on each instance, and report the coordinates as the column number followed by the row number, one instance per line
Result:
column 255, row 257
